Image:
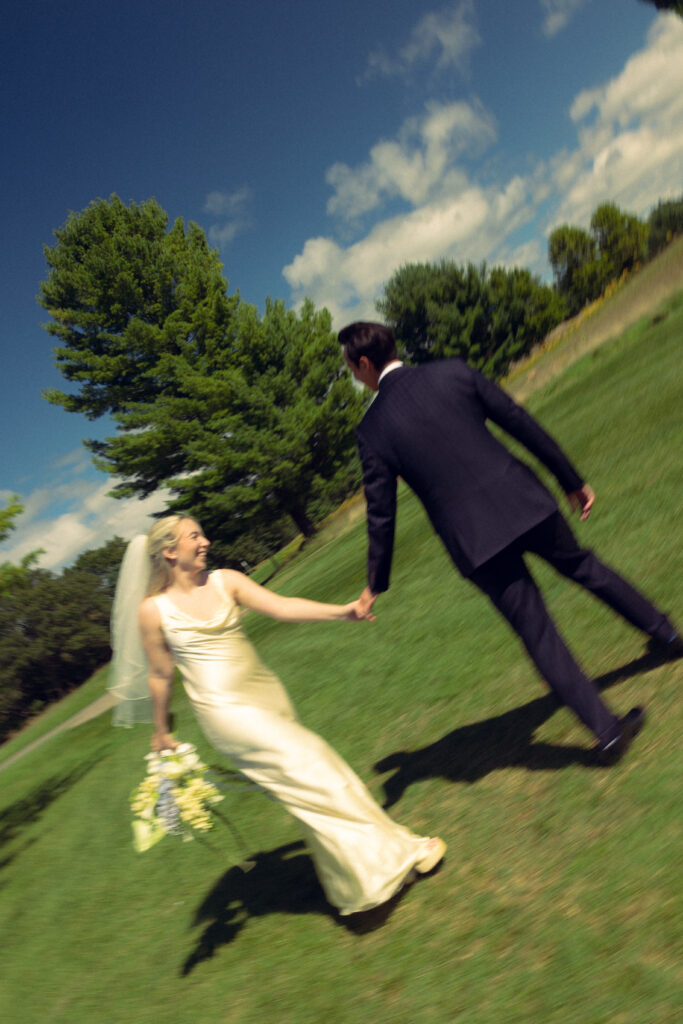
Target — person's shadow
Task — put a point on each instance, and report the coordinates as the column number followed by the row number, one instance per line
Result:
column 472, row 751
column 282, row 880
column 276, row 881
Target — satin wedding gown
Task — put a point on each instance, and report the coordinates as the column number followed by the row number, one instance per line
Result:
column 361, row 856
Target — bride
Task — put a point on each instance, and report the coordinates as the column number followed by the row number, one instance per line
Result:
column 191, row 618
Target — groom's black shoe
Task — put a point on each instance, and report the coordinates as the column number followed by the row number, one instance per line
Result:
column 666, row 650
column 629, row 727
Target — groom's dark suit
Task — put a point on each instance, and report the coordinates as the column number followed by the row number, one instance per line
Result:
column 428, row 426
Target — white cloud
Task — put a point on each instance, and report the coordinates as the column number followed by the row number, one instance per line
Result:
column 558, row 14
column 464, row 226
column 526, row 255
column 629, row 149
column 420, row 162
column 78, row 459
column 230, row 213
column 91, row 519
column 444, row 37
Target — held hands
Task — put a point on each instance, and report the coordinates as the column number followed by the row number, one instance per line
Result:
column 355, row 613
column 361, row 610
column 582, row 499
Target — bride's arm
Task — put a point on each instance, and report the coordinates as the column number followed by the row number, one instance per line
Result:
column 287, row 609
column 160, row 672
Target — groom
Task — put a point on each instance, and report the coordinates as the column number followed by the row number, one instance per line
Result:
column 428, row 426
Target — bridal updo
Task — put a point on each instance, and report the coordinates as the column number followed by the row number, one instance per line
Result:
column 163, row 535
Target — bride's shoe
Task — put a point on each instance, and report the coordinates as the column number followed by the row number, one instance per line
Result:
column 434, row 851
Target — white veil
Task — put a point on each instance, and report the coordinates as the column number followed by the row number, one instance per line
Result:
column 129, row 670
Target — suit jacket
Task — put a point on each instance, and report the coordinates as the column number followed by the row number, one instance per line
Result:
column 427, row 424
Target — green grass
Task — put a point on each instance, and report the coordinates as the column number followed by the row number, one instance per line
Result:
column 559, row 898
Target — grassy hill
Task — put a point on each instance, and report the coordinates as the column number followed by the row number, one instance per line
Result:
column 558, row 901
column 639, row 295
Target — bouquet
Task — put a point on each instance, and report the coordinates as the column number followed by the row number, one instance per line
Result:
column 175, row 798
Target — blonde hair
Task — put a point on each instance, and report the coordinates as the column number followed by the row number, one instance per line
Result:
column 163, row 535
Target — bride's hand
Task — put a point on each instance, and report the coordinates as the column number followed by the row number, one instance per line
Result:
column 358, row 612
column 163, row 741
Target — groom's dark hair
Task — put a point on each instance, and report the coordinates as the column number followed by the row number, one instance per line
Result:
column 368, row 339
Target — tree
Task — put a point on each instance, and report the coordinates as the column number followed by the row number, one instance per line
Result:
column 523, row 311
column 667, row 5
column 572, row 256
column 225, row 408
column 8, row 515
column 135, row 308
column 489, row 318
column 102, row 564
column 666, row 223
column 12, row 576
column 127, row 297
column 278, row 436
column 584, row 264
column 54, row 631
column 620, row 241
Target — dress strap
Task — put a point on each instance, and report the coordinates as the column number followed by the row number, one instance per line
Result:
column 164, row 606
column 217, row 580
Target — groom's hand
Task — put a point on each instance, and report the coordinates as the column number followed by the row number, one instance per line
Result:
column 366, row 601
column 582, row 499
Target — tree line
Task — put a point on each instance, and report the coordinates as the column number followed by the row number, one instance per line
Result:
column 54, row 629
column 585, row 262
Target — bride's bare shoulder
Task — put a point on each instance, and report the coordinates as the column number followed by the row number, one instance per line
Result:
column 148, row 612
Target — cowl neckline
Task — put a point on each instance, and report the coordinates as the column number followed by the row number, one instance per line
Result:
column 227, row 606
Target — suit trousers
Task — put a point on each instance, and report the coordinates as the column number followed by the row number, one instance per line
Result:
column 507, row 582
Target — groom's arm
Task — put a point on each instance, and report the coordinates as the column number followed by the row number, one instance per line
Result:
column 380, row 496
column 518, row 423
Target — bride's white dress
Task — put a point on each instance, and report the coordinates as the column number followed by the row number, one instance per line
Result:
column 361, row 856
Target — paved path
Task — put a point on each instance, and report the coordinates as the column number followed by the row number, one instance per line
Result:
column 98, row 707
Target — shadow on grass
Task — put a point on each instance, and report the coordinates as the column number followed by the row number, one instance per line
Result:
column 18, row 816
column 472, row 751
column 280, row 881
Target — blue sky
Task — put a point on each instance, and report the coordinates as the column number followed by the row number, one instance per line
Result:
column 320, row 146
